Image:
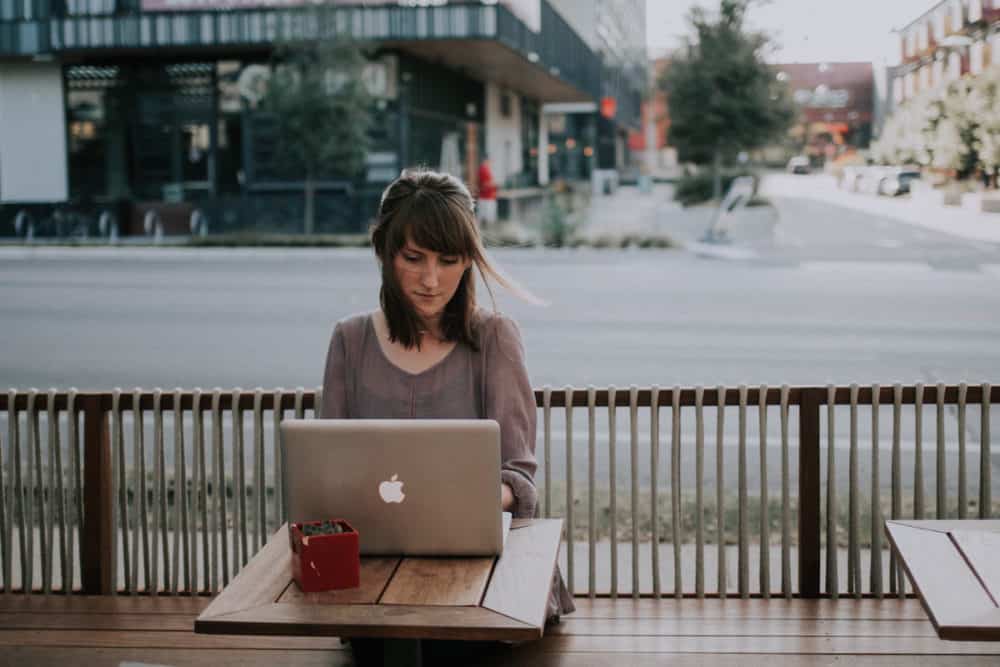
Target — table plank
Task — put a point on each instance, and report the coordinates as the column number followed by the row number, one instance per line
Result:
column 399, row 621
column 954, row 598
column 454, row 582
column 104, row 604
column 153, row 639
column 746, row 645
column 982, row 550
column 260, row 581
column 375, row 574
column 865, row 609
column 522, row 578
column 60, row 656
column 948, row 525
column 740, row 627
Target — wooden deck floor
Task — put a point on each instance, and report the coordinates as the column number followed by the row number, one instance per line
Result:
column 66, row 632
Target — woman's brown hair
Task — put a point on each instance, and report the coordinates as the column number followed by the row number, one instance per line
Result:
column 435, row 211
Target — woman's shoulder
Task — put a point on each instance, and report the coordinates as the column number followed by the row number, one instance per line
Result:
column 353, row 326
column 497, row 329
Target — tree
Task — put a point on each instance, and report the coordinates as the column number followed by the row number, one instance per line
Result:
column 321, row 107
column 723, row 97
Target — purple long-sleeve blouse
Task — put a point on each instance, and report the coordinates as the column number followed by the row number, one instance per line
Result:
column 489, row 383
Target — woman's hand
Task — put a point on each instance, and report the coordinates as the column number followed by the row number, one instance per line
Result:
column 506, row 497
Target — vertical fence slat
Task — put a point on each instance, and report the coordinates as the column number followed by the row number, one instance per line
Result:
column 897, row 584
column 699, row 473
column 832, row 580
column 4, row 523
column 654, row 468
column 220, row 544
column 612, row 490
column 159, row 494
column 810, row 487
column 720, row 489
column 9, row 508
column 765, row 527
column 876, row 500
column 36, row 516
column 139, row 483
column 963, row 499
column 278, row 515
column 918, row 452
column 633, row 412
column 54, row 497
column 198, row 496
column 941, row 492
column 56, row 488
column 568, row 393
column 985, row 464
column 17, row 483
column 260, row 495
column 786, row 511
column 119, row 520
column 547, row 448
column 178, row 494
column 592, row 491
column 853, row 501
column 240, row 545
column 76, row 493
column 675, row 488
column 96, row 552
column 743, row 547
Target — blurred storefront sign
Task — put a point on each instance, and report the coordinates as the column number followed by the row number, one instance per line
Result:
column 609, row 106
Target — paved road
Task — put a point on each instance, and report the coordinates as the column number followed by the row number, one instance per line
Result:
column 838, row 296
column 842, row 297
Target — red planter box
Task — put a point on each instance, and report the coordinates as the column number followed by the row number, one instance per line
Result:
column 325, row 562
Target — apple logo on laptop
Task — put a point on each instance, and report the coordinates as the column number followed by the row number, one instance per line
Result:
column 391, row 490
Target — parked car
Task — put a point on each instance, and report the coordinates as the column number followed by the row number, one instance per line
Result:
column 799, row 164
column 896, row 181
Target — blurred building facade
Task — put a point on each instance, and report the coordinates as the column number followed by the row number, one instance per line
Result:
column 133, row 105
column 948, row 40
column 836, row 102
column 590, row 141
column 651, row 141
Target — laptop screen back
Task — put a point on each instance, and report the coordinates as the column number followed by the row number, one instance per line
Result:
column 409, row 487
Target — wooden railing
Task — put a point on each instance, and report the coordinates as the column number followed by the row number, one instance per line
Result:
column 93, row 478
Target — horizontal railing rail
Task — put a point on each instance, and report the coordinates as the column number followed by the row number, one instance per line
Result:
column 152, row 492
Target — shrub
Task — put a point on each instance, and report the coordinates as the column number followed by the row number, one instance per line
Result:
column 696, row 188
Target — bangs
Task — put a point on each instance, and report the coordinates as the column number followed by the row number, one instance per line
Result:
column 432, row 221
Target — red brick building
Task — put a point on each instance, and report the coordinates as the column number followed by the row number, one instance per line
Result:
column 837, row 102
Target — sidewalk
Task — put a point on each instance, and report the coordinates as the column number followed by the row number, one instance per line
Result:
column 608, row 218
column 627, row 212
column 951, row 220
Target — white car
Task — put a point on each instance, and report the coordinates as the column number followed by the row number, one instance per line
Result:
column 799, row 165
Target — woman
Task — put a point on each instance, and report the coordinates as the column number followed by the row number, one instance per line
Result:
column 429, row 352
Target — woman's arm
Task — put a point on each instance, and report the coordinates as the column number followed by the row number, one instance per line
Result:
column 334, row 388
column 511, row 402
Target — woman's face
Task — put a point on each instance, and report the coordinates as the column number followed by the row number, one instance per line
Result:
column 428, row 279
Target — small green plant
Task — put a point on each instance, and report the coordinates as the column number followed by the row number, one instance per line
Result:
column 557, row 227
column 326, row 528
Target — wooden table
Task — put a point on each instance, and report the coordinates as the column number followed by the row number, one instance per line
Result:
column 407, row 599
column 955, row 568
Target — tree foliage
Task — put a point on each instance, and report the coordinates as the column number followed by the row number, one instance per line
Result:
column 322, row 111
column 322, row 108
column 723, row 97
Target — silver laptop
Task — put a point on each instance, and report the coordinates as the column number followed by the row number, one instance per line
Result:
column 409, row 486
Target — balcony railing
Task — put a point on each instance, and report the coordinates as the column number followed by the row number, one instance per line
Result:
column 557, row 49
column 173, row 492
